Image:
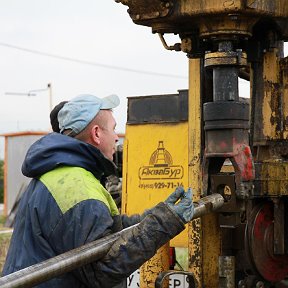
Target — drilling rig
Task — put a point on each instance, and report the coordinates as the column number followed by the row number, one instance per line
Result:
column 244, row 244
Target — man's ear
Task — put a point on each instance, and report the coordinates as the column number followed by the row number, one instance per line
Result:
column 95, row 134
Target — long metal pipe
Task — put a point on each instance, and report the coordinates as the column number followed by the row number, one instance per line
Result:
column 93, row 251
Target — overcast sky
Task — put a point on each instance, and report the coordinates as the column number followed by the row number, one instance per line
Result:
column 97, row 32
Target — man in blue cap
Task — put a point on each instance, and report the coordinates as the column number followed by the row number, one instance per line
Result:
column 66, row 206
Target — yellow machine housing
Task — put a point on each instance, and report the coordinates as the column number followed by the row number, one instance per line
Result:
column 245, row 244
column 156, row 139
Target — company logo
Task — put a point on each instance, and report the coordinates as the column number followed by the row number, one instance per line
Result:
column 160, row 166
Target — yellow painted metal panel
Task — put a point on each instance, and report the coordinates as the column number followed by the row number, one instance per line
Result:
column 271, row 94
column 274, row 180
column 204, row 235
column 156, row 162
column 151, row 269
column 284, row 79
column 211, row 250
column 276, row 8
column 210, row 6
column 194, row 120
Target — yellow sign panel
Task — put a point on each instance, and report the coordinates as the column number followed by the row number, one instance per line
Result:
column 155, row 164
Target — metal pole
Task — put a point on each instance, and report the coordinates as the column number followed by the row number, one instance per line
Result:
column 49, row 87
column 71, row 260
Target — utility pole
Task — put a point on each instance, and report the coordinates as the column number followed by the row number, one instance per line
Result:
column 49, row 87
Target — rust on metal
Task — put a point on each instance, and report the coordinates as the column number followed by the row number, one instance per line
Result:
column 195, row 253
column 140, row 10
column 225, row 58
column 157, row 264
column 271, row 178
column 227, row 271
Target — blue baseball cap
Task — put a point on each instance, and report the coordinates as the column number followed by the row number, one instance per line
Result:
column 77, row 113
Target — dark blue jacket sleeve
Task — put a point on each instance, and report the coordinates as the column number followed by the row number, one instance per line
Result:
column 91, row 220
column 138, row 245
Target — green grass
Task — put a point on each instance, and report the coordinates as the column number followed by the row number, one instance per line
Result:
column 4, row 245
column 2, row 220
column 4, row 242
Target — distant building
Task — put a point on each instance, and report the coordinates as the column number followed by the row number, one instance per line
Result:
column 16, row 146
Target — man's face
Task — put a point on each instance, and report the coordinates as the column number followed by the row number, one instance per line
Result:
column 108, row 137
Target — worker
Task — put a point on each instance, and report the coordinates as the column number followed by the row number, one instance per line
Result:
column 54, row 116
column 112, row 183
column 65, row 205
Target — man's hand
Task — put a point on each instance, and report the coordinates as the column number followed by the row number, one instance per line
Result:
column 185, row 207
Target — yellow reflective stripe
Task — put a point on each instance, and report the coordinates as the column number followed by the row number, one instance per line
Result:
column 72, row 185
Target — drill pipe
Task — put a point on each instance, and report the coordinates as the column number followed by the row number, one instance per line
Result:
column 93, row 251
